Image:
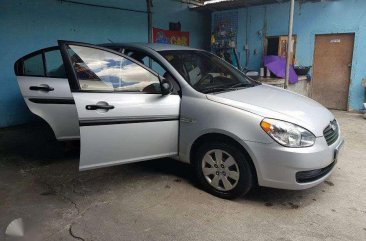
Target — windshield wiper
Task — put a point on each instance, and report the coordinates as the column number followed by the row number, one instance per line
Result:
column 234, row 87
column 243, row 85
column 217, row 89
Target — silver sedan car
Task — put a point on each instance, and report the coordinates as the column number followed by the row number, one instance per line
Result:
column 136, row 102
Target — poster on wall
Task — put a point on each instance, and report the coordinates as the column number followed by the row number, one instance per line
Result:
column 170, row 37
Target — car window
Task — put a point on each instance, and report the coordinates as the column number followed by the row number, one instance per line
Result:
column 42, row 63
column 157, row 67
column 154, row 65
column 206, row 72
column 100, row 70
column 54, row 64
column 33, row 66
column 146, row 60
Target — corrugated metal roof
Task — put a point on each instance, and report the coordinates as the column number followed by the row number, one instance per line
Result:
column 233, row 4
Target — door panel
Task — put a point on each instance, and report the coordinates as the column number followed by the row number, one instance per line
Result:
column 62, row 118
column 60, row 87
column 140, row 127
column 56, row 105
column 123, row 116
column 332, row 69
column 127, row 105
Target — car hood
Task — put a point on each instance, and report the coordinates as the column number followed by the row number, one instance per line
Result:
column 273, row 102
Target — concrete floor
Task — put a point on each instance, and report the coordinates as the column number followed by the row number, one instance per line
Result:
column 158, row 200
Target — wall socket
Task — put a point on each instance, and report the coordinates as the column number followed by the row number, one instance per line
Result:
column 364, row 82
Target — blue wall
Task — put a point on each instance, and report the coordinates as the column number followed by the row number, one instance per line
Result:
column 343, row 16
column 26, row 26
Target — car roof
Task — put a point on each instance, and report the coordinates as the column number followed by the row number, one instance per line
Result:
column 155, row 46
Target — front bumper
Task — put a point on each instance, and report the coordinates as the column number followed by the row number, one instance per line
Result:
column 279, row 167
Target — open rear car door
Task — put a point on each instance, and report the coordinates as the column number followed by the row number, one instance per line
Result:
column 123, row 115
column 43, row 83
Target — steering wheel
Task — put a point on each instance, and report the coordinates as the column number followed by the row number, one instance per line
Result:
column 201, row 81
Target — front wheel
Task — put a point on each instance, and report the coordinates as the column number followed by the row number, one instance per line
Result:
column 223, row 170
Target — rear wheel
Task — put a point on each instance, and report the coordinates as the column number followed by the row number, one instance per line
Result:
column 223, row 170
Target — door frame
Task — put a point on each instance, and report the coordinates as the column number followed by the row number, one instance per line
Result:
column 294, row 47
column 351, row 68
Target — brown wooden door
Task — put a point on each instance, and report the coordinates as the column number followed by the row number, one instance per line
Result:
column 332, row 69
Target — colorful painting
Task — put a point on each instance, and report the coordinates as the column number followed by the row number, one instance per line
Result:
column 170, row 37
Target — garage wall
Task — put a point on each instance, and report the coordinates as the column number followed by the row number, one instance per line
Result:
column 343, row 16
column 26, row 26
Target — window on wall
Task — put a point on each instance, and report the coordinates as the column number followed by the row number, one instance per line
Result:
column 277, row 45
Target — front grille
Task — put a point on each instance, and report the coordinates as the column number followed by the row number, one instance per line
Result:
column 331, row 132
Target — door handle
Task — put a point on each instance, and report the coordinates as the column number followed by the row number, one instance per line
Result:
column 42, row 87
column 99, row 107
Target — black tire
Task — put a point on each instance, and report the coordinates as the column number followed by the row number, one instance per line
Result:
column 246, row 177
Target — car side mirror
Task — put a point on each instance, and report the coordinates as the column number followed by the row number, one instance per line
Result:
column 166, row 87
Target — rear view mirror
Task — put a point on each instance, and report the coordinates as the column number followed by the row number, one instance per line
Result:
column 166, row 87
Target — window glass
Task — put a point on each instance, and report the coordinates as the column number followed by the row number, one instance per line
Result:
column 34, row 66
column 206, row 72
column 101, row 70
column 157, row 68
column 146, row 60
column 152, row 64
column 54, row 64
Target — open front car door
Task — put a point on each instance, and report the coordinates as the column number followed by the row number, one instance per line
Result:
column 123, row 115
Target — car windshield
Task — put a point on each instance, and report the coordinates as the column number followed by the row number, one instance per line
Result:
column 206, row 72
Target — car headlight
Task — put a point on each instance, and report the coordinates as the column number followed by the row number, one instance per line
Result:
column 288, row 134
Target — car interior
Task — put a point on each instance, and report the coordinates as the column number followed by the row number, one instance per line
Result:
column 154, row 65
